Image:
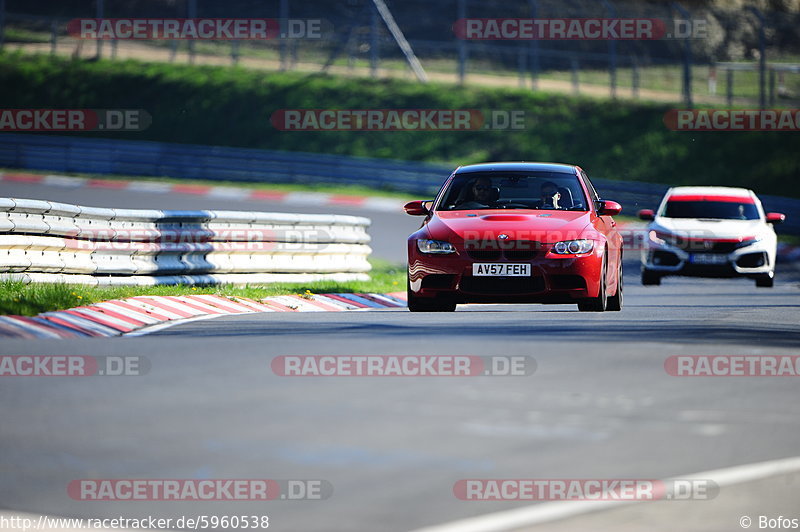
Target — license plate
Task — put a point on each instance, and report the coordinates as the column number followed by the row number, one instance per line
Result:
column 480, row 269
column 708, row 258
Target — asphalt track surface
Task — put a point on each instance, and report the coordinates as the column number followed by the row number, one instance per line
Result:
column 600, row 404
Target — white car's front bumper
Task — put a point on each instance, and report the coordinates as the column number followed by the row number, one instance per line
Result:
column 753, row 259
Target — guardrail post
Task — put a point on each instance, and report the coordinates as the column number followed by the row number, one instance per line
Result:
column 762, row 59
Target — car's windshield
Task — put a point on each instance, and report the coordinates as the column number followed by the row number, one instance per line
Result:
column 725, row 210
column 513, row 190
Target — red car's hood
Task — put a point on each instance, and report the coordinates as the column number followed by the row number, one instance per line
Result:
column 541, row 226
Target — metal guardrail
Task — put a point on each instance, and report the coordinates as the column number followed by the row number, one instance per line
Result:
column 50, row 241
column 145, row 158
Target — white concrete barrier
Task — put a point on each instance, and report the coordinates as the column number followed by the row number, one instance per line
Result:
column 90, row 245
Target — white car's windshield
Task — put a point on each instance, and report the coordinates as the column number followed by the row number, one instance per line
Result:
column 724, row 210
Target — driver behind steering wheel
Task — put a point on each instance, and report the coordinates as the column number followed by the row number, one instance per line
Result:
column 482, row 193
column 550, row 196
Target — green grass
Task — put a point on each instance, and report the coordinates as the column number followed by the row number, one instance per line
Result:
column 23, row 35
column 31, row 299
column 231, row 106
column 792, row 240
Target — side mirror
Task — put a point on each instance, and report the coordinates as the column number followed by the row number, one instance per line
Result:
column 608, row 208
column 647, row 214
column 416, row 208
column 775, row 218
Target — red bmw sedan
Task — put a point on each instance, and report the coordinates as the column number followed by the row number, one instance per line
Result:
column 515, row 233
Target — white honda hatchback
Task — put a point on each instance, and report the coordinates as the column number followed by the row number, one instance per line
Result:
column 710, row 232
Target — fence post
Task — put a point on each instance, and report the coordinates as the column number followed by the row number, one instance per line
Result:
column 612, row 52
column 772, row 88
column 461, row 13
column 635, row 80
column 762, row 60
column 573, row 65
column 374, row 40
column 192, row 8
column 53, row 36
column 283, row 20
column 235, row 51
column 712, row 79
column 687, row 59
column 2, row 23
column 99, row 14
column 534, row 48
column 729, row 78
column 173, row 44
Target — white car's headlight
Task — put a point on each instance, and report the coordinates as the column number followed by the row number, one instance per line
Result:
column 655, row 238
column 436, row 247
column 573, row 247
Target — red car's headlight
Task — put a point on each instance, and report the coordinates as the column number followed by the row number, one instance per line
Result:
column 573, row 247
column 435, row 247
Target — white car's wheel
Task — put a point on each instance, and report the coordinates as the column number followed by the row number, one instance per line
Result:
column 650, row 278
column 766, row 280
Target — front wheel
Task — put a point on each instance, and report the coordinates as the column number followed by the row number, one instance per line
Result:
column 422, row 304
column 615, row 302
column 766, row 280
column 599, row 303
column 650, row 278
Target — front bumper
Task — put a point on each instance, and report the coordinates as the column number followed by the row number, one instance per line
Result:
column 746, row 261
column 553, row 279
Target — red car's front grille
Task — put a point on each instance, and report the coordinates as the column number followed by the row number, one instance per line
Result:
column 484, row 255
column 501, row 285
